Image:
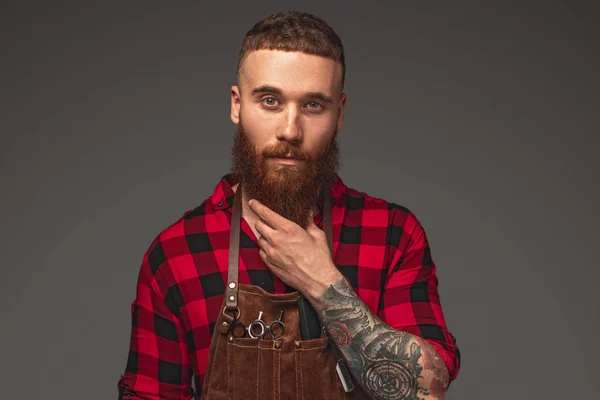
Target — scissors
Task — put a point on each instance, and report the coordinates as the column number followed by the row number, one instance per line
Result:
column 277, row 327
column 258, row 329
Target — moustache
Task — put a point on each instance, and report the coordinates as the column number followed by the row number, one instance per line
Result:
column 285, row 151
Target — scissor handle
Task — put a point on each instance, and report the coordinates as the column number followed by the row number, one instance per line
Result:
column 261, row 324
column 238, row 329
column 279, row 327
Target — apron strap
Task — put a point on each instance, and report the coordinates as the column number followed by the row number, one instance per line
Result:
column 327, row 218
column 234, row 251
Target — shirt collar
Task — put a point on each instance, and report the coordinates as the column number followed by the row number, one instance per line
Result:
column 222, row 196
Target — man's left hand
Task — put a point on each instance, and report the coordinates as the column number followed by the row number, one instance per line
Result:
column 299, row 257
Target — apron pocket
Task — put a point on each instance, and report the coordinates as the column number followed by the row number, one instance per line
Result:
column 253, row 369
column 315, row 371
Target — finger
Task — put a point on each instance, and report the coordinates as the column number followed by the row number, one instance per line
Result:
column 312, row 227
column 269, row 216
column 264, row 230
column 263, row 244
column 263, row 255
column 317, row 234
column 311, row 219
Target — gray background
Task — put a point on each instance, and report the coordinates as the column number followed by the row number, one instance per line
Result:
column 483, row 119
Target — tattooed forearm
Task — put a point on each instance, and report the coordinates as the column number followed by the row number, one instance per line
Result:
column 387, row 363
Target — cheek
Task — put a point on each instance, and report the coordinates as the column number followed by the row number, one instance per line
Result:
column 259, row 129
column 318, row 134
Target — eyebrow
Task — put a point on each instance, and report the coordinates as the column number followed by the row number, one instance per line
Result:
column 264, row 89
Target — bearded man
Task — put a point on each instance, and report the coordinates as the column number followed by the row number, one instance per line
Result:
column 286, row 283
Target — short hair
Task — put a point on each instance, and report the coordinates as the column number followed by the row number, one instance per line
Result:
column 294, row 31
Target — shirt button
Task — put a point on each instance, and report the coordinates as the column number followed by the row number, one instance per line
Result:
column 220, row 203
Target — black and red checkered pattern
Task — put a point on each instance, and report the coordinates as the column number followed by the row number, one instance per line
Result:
column 380, row 247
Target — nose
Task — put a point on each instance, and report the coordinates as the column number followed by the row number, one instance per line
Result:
column 291, row 130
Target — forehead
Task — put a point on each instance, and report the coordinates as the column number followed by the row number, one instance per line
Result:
column 291, row 71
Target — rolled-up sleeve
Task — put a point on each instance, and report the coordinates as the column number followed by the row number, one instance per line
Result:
column 158, row 364
column 410, row 299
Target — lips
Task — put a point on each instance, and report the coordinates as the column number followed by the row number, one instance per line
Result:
column 286, row 160
column 285, row 154
column 286, row 157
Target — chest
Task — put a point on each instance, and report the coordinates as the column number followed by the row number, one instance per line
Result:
column 362, row 265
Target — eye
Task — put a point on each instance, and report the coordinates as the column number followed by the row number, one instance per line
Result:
column 314, row 105
column 269, row 101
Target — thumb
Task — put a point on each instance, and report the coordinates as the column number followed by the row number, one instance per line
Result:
column 312, row 227
column 311, row 221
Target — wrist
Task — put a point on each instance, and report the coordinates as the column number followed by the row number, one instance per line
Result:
column 315, row 293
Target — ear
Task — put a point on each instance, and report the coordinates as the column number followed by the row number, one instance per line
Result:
column 235, row 104
column 340, row 120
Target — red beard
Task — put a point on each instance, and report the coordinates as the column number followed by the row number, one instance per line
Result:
column 290, row 191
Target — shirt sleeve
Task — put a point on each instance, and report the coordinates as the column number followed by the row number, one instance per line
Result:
column 158, row 365
column 410, row 301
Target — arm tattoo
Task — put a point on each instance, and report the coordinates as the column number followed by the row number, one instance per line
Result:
column 388, row 364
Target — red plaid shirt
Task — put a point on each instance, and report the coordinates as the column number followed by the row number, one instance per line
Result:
column 379, row 247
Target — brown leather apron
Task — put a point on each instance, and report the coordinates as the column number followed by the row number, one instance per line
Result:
column 285, row 368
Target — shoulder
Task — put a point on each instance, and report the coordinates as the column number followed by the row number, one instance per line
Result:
column 403, row 226
column 355, row 199
column 172, row 243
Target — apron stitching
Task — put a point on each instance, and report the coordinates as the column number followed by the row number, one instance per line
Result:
column 229, row 390
column 269, row 300
column 297, row 385
column 250, row 347
column 230, row 373
column 257, row 370
column 213, row 367
column 301, row 376
column 314, row 348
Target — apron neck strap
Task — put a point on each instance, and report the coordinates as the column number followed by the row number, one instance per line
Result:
column 231, row 291
column 327, row 218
